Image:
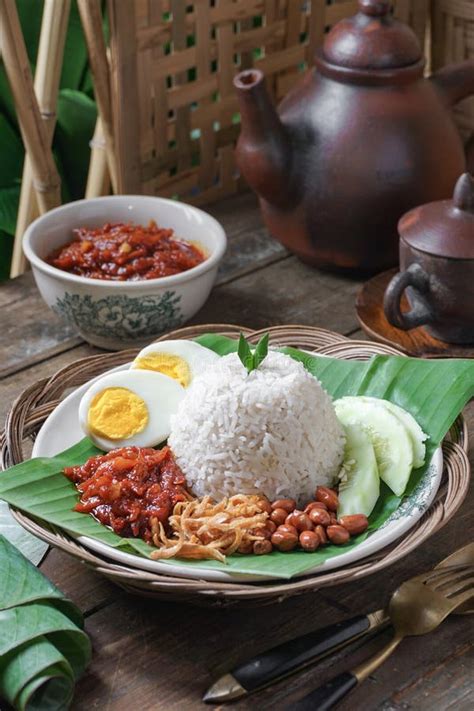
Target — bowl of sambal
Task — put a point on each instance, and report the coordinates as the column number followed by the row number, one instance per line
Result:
column 123, row 269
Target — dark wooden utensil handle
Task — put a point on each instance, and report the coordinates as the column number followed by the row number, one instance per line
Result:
column 420, row 313
column 327, row 695
column 286, row 658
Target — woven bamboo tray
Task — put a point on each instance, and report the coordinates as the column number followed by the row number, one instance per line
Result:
column 34, row 405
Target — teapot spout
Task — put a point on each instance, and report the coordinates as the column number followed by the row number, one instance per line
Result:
column 263, row 151
column 455, row 82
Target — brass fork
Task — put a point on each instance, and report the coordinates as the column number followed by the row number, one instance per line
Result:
column 416, row 607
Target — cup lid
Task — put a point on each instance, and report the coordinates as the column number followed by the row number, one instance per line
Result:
column 372, row 39
column 444, row 228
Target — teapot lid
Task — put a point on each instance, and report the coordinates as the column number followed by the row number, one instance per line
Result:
column 372, row 39
column 444, row 228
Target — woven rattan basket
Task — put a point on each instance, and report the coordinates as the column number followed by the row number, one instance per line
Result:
column 35, row 404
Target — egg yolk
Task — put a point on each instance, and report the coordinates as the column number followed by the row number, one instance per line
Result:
column 171, row 365
column 117, row 413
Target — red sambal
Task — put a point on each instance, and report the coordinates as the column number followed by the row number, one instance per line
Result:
column 120, row 252
column 128, row 487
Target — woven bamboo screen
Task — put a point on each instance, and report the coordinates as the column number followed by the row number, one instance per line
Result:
column 453, row 41
column 172, row 63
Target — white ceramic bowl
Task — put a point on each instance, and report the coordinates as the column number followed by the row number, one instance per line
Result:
column 124, row 314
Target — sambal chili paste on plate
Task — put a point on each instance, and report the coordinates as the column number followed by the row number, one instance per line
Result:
column 126, row 252
column 129, row 487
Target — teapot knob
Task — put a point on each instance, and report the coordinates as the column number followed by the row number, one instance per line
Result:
column 375, row 8
column 464, row 193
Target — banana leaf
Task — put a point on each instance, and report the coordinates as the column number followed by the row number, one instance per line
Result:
column 6, row 251
column 77, row 114
column 434, row 392
column 9, row 200
column 12, row 152
column 32, row 548
column 43, row 649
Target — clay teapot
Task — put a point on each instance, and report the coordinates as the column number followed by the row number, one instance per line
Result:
column 437, row 268
column 356, row 144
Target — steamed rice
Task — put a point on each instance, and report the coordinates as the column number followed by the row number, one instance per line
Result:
column 272, row 431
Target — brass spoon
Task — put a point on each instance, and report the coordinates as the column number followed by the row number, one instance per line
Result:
column 415, row 608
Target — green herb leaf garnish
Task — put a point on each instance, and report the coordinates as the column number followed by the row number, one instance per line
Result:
column 250, row 360
column 261, row 350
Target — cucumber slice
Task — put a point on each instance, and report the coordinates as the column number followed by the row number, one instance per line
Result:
column 392, row 445
column 359, row 487
column 415, row 432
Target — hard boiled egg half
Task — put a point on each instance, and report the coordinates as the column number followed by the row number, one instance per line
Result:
column 129, row 408
column 181, row 360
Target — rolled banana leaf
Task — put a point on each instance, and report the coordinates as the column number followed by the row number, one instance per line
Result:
column 43, row 648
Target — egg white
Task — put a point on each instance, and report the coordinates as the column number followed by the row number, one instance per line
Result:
column 198, row 358
column 160, row 393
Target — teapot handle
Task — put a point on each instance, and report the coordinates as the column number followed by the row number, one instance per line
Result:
column 420, row 314
column 455, row 82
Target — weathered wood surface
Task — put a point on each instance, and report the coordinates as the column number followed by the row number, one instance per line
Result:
column 157, row 655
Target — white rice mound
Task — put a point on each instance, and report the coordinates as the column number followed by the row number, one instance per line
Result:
column 272, row 431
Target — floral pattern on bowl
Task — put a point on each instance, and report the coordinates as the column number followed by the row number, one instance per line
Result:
column 120, row 316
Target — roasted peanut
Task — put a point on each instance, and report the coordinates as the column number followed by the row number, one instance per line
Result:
column 354, row 523
column 304, row 523
column 309, row 540
column 292, row 518
column 264, row 505
column 321, row 531
column 337, row 534
column 270, row 526
column 284, row 540
column 315, row 505
column 245, row 547
column 288, row 528
column 262, row 547
column 328, row 497
column 288, row 504
column 261, row 532
column 278, row 516
column 319, row 516
column 300, row 521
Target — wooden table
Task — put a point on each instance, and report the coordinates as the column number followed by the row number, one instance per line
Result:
column 155, row 655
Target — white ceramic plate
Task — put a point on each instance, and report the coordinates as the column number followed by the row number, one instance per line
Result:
column 61, row 430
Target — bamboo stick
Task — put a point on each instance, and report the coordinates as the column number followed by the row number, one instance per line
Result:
column 91, row 18
column 124, row 92
column 98, row 178
column 46, row 178
column 47, row 76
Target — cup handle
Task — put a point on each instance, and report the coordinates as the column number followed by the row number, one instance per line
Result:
column 416, row 277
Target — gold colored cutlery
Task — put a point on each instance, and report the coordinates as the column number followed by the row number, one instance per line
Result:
column 417, row 607
column 292, row 656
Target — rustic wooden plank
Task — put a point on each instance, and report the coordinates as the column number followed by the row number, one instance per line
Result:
column 449, row 683
column 287, row 291
column 89, row 590
column 176, row 649
column 30, row 331
column 13, row 385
